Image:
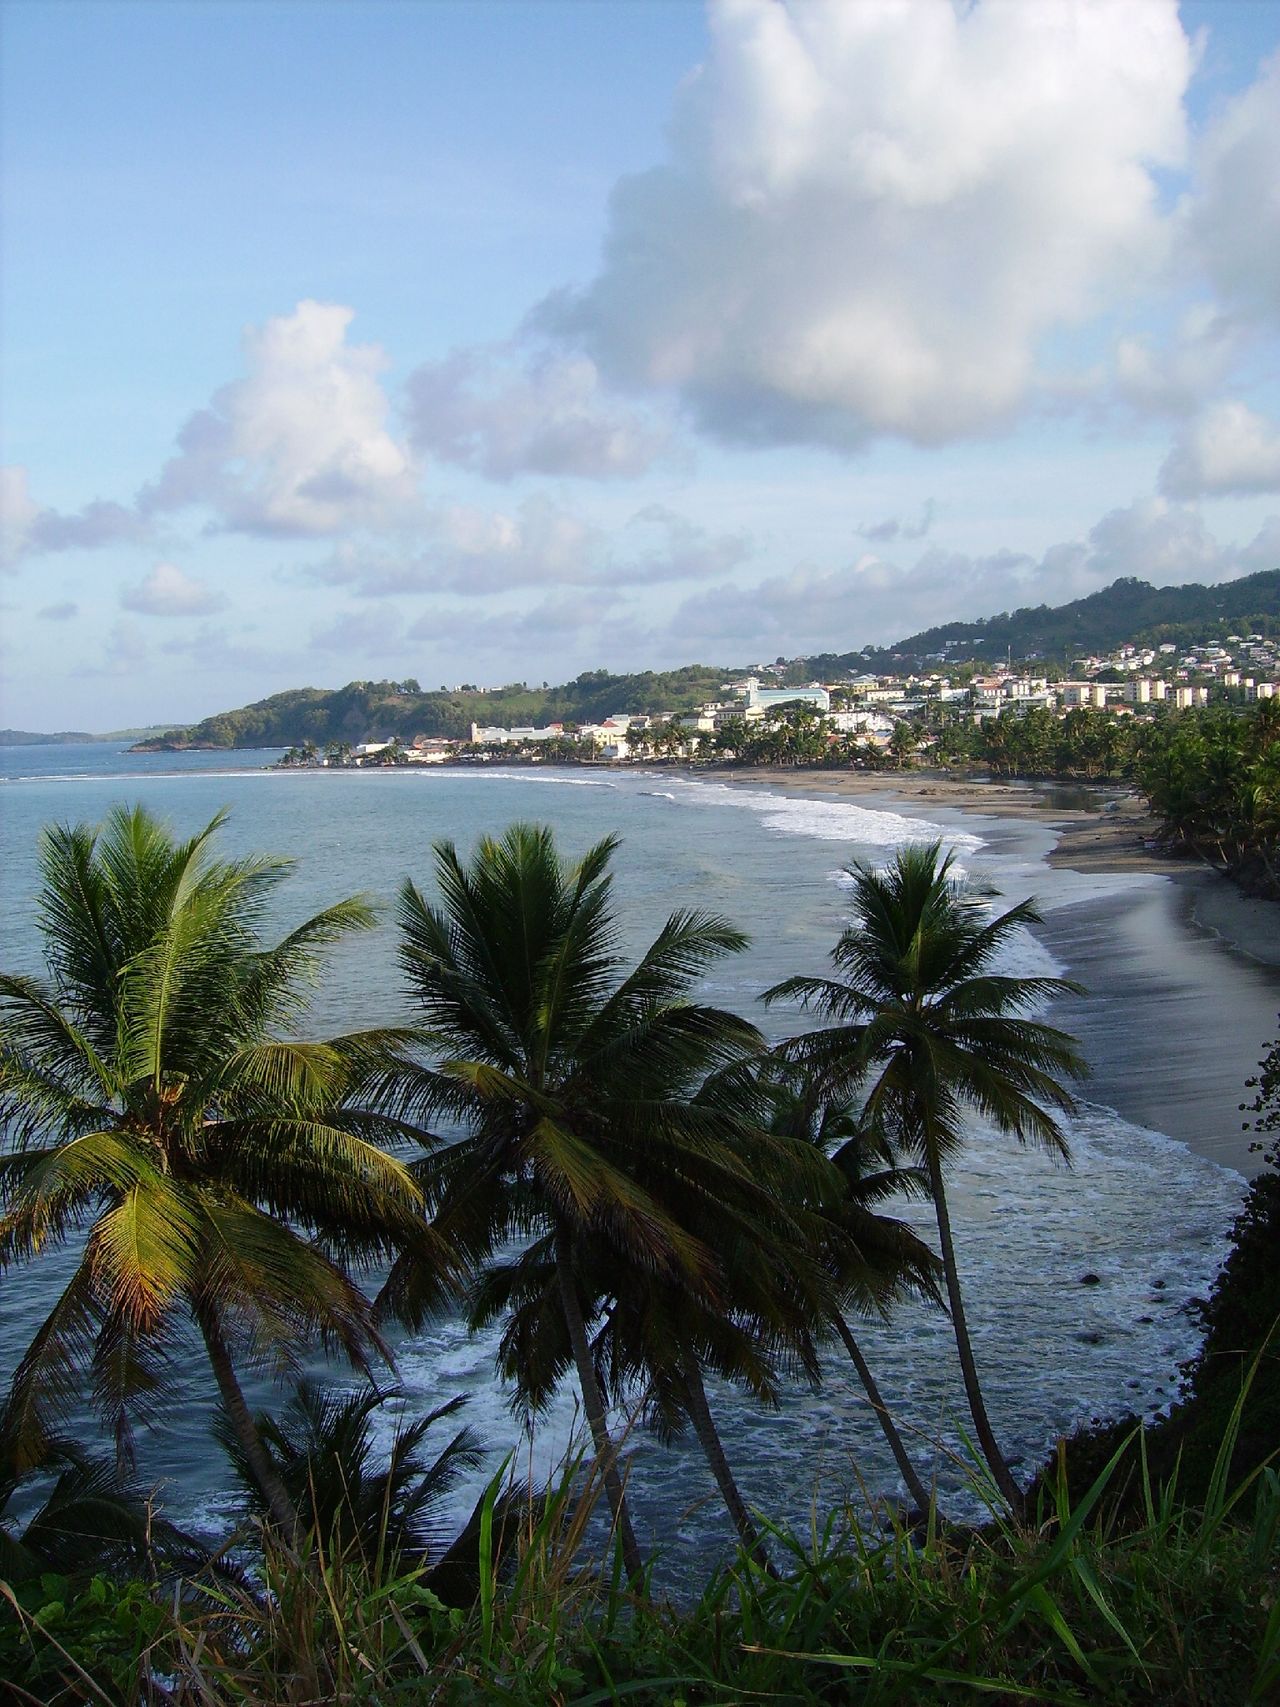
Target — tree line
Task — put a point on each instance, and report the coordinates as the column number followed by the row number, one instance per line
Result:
column 1210, row 775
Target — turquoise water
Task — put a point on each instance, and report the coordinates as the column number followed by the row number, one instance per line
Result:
column 1137, row 1209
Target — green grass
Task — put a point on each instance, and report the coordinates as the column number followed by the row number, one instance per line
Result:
column 1081, row 1604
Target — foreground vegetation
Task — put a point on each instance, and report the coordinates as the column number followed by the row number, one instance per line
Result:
column 1179, row 1607
column 640, row 1193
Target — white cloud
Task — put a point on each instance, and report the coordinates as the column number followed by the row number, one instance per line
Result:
column 27, row 529
column 875, row 213
column 18, row 512
column 60, row 612
column 166, row 591
column 299, row 445
column 874, row 600
column 1176, row 376
column 538, row 544
column 1233, row 213
column 505, row 410
column 894, row 527
column 1227, row 449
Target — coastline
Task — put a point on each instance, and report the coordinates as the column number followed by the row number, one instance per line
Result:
column 1182, row 969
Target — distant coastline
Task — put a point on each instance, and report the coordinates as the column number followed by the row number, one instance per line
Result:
column 79, row 737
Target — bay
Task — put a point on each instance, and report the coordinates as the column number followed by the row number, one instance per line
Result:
column 1138, row 1209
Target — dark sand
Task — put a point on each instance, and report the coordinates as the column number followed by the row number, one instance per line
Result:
column 1182, row 970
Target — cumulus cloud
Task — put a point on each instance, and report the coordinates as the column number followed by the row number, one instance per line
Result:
column 893, row 527
column 1226, row 449
column 873, row 215
column 539, row 544
column 299, row 445
column 505, row 410
column 167, row 591
column 1232, row 213
column 1174, row 377
column 28, row 529
column 875, row 600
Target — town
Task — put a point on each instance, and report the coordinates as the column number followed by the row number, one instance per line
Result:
column 869, row 720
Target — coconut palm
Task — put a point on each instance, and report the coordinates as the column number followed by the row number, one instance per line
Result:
column 74, row 1515
column 655, row 1335
column 918, row 1007
column 155, row 1117
column 574, row 1082
column 874, row 1259
column 390, row 1504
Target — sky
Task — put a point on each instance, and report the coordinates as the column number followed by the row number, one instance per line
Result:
column 491, row 342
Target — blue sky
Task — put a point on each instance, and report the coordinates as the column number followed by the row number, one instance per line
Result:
column 487, row 341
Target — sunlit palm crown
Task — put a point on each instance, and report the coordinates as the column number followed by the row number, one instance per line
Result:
column 917, row 1006
column 149, row 1102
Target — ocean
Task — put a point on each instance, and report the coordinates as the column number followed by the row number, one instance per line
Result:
column 1138, row 1209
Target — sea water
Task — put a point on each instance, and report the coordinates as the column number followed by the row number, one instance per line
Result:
column 1138, row 1212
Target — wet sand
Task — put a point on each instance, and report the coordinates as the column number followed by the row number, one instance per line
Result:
column 1182, row 969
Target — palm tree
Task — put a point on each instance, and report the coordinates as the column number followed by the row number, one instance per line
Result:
column 919, row 1008
column 659, row 1338
column 346, row 1491
column 874, row 1259
column 151, row 1110
column 73, row 1515
column 575, row 1085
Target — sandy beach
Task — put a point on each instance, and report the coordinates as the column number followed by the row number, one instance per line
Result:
column 1182, row 970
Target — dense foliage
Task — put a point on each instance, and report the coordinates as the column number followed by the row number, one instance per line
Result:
column 1211, row 776
column 377, row 711
column 1127, row 610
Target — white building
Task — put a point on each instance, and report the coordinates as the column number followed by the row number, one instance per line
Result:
column 765, row 699
column 860, row 723
column 494, row 737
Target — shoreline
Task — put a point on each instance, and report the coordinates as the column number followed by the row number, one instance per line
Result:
column 1182, row 968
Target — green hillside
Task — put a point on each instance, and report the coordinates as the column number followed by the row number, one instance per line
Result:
column 1128, row 609
column 379, row 710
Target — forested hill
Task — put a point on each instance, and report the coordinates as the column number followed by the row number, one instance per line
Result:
column 1128, row 609
column 380, row 710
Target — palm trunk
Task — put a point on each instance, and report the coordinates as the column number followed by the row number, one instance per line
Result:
column 593, row 1403
column 709, row 1439
column 915, row 1487
column 282, row 1509
column 969, row 1369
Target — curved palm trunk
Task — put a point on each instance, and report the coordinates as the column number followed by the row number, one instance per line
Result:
column 969, row 1369
column 593, row 1404
column 281, row 1507
column 915, row 1487
column 709, row 1440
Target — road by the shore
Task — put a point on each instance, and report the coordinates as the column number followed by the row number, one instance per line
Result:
column 1182, row 969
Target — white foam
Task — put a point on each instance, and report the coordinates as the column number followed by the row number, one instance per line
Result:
column 828, row 820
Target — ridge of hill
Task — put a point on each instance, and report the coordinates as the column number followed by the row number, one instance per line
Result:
column 381, row 710
column 1127, row 610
